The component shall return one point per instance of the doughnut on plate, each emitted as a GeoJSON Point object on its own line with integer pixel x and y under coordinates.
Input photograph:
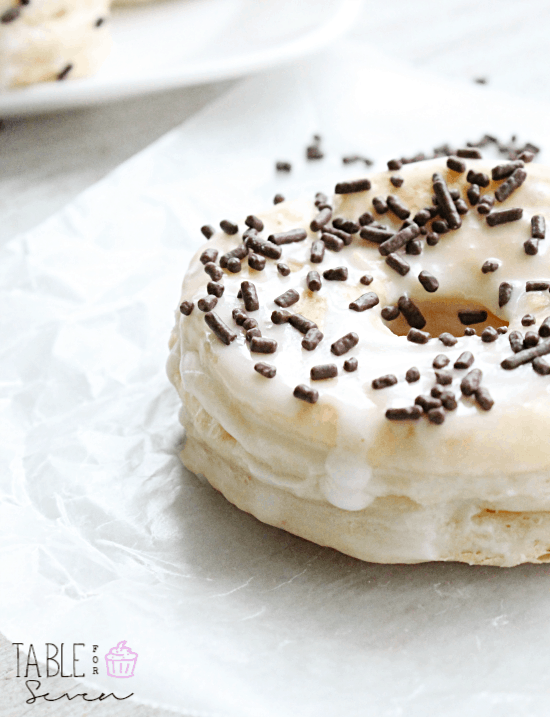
{"type": "Point", "coordinates": [468, 480]}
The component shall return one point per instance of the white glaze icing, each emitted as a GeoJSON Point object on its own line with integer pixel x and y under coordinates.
{"type": "Point", "coordinates": [343, 449]}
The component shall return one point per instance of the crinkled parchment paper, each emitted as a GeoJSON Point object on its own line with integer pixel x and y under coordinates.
{"type": "Point", "coordinates": [104, 536]}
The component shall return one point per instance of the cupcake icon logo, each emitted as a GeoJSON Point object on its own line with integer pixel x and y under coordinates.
{"type": "Point", "coordinates": [121, 661]}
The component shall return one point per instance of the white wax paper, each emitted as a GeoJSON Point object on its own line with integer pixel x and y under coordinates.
{"type": "Point", "coordinates": [104, 536]}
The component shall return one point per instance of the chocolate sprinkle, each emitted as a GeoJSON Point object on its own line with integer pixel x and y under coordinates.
{"type": "Point", "coordinates": [249, 323]}
{"type": "Point", "coordinates": [478, 178]}
{"type": "Point", "coordinates": [541, 366]}
{"type": "Point", "coordinates": [483, 397]}
{"type": "Point", "coordinates": [384, 381]}
{"type": "Point", "coordinates": [465, 360]}
{"type": "Point", "coordinates": [208, 231]}
{"type": "Point", "coordinates": [252, 332]}
{"type": "Point", "coordinates": [448, 400]}
{"type": "Point", "coordinates": [64, 72]}
{"type": "Point", "coordinates": [301, 324]}
{"type": "Point", "coordinates": [364, 302]}
{"type": "Point", "coordinates": [229, 227]}
{"type": "Point", "coordinates": [256, 262]}
{"type": "Point", "coordinates": [396, 206]}
{"type": "Point", "coordinates": [489, 335]}
{"type": "Point", "coordinates": [469, 332]}
{"type": "Point", "coordinates": [233, 265]}
{"type": "Point", "coordinates": [213, 271]}
{"type": "Point", "coordinates": [501, 171]}
{"type": "Point", "coordinates": [490, 265]}
{"type": "Point", "coordinates": [432, 239]}
{"type": "Point", "coordinates": [504, 216]}
{"type": "Point", "coordinates": [544, 329]}
{"type": "Point", "coordinates": [358, 185]}
{"type": "Point", "coordinates": [440, 226]}
{"type": "Point", "coordinates": [531, 247]}
{"type": "Point", "coordinates": [531, 339]}
{"type": "Point", "coordinates": [215, 289]}
{"type": "Point", "coordinates": [445, 202]}
{"type": "Point", "coordinates": [265, 369]}
{"type": "Point", "coordinates": [411, 312]}
{"type": "Point", "coordinates": [327, 370]}
{"type": "Point", "coordinates": [10, 15]}
{"type": "Point", "coordinates": [398, 264]}
{"type": "Point", "coordinates": [262, 345]}
{"type": "Point", "coordinates": [279, 317]}
{"type": "Point", "coordinates": [313, 281]}
{"type": "Point", "coordinates": [255, 223]}
{"type": "Point", "coordinates": [375, 234]}
{"type": "Point", "coordinates": [418, 337]}
{"type": "Point", "coordinates": [265, 248]}
{"type": "Point", "coordinates": [344, 344]}
{"type": "Point", "coordinates": [317, 251]}
{"type": "Point", "coordinates": [294, 235]}
{"type": "Point", "coordinates": [468, 153]}
{"type": "Point", "coordinates": [340, 273]}
{"type": "Point", "coordinates": [444, 378]}
{"type": "Point", "coordinates": [332, 242]}
{"type": "Point", "coordinates": [473, 194]}
{"type": "Point", "coordinates": [238, 253]}
{"type": "Point", "coordinates": [527, 355]}
{"type": "Point", "coordinates": [412, 375]}
{"type": "Point", "coordinates": [208, 255]}
{"type": "Point", "coordinates": [412, 413]}
{"type": "Point", "coordinates": [345, 225]}
{"type": "Point", "coordinates": [322, 218]}
{"type": "Point", "coordinates": [447, 339]}
{"type": "Point", "coordinates": [456, 164]}
{"type": "Point", "coordinates": [538, 226]}
{"type": "Point", "coordinates": [283, 166]}
{"type": "Point", "coordinates": [528, 320]}
{"type": "Point", "coordinates": [440, 361]}
{"type": "Point", "coordinates": [305, 393]}
{"type": "Point", "coordinates": [514, 181]}
{"type": "Point", "coordinates": [504, 295]}
{"type": "Point", "coordinates": [379, 204]}
{"type": "Point", "coordinates": [207, 303]}
{"type": "Point", "coordinates": [365, 218]}
{"type": "Point", "coordinates": [389, 313]}
{"type": "Point", "coordinates": [366, 280]}
{"type": "Point", "coordinates": [186, 307]}
{"type": "Point", "coordinates": [221, 330]}
{"type": "Point", "coordinates": [516, 341]}
{"type": "Point", "coordinates": [312, 339]}
{"type": "Point", "coordinates": [537, 285]}
{"type": "Point", "coordinates": [429, 282]}
{"type": "Point", "coordinates": [397, 180]}
{"type": "Point", "coordinates": [278, 198]}
{"type": "Point", "coordinates": [283, 269]}
{"type": "Point", "coordinates": [250, 297]}
{"type": "Point", "coordinates": [350, 365]}
{"type": "Point", "coordinates": [472, 316]}
{"type": "Point", "coordinates": [288, 298]}
{"type": "Point", "coordinates": [470, 383]}
{"type": "Point", "coordinates": [399, 239]}
{"type": "Point", "coordinates": [414, 247]}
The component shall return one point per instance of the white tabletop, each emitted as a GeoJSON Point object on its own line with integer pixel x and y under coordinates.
{"type": "Point", "coordinates": [48, 160]}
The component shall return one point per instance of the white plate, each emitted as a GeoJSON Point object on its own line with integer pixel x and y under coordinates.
{"type": "Point", "coordinates": [176, 43]}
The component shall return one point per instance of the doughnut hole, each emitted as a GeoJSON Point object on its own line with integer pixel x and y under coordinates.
{"type": "Point", "coordinates": [442, 315]}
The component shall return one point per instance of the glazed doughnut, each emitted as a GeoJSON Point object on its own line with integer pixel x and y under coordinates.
{"type": "Point", "coordinates": [52, 40]}
{"type": "Point", "coordinates": [367, 370]}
